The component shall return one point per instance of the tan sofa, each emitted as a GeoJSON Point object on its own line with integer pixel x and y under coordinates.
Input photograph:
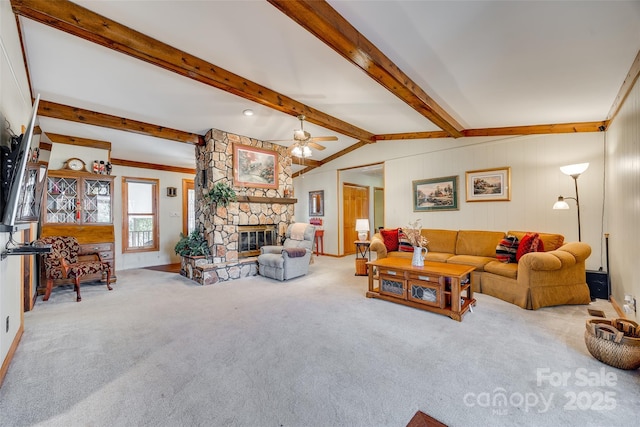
{"type": "Point", "coordinates": [540, 279]}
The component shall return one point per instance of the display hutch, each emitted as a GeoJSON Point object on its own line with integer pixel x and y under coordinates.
{"type": "Point", "coordinates": [80, 204]}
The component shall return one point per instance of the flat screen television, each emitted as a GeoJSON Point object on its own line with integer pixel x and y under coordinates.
{"type": "Point", "coordinates": [14, 166]}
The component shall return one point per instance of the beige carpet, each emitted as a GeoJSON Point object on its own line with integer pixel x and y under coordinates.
{"type": "Point", "coordinates": [160, 350]}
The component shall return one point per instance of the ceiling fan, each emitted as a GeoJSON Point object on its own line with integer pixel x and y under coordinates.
{"type": "Point", "coordinates": [303, 141]}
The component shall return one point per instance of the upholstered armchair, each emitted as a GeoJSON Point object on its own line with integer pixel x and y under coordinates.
{"type": "Point", "coordinates": [292, 258]}
{"type": "Point", "coordinates": [64, 262]}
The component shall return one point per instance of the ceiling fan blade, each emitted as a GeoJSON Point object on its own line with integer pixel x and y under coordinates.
{"type": "Point", "coordinates": [324, 138]}
{"type": "Point", "coordinates": [316, 146]}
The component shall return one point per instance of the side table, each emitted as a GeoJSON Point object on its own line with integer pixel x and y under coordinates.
{"type": "Point", "coordinates": [319, 242]}
{"type": "Point", "coordinates": [363, 255]}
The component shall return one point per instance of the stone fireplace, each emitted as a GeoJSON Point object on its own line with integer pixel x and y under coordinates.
{"type": "Point", "coordinates": [252, 237]}
{"type": "Point", "coordinates": [262, 214]}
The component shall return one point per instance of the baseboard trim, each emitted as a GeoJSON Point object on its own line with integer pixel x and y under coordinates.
{"type": "Point", "coordinates": [10, 354]}
{"type": "Point", "coordinates": [617, 308]}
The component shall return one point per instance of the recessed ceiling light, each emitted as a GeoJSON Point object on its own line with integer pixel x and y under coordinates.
{"type": "Point", "coordinates": [248, 112]}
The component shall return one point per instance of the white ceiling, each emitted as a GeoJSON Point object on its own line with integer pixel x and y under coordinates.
{"type": "Point", "coordinates": [487, 63]}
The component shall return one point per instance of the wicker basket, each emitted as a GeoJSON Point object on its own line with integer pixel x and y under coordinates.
{"type": "Point", "coordinates": [614, 342]}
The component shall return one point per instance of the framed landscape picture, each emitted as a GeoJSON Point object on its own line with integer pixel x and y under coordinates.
{"type": "Point", "coordinates": [436, 194]}
{"type": "Point", "coordinates": [254, 167]}
{"type": "Point", "coordinates": [489, 185]}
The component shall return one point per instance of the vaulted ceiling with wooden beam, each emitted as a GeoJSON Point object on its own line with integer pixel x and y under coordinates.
{"type": "Point", "coordinates": [151, 77]}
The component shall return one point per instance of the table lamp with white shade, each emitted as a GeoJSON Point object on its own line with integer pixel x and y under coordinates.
{"type": "Point", "coordinates": [362, 227]}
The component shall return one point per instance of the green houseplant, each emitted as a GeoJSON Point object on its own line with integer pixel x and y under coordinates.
{"type": "Point", "coordinates": [222, 194]}
{"type": "Point", "coordinates": [192, 244]}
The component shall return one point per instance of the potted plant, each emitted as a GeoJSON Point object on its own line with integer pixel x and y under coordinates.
{"type": "Point", "coordinates": [222, 194]}
{"type": "Point", "coordinates": [192, 245]}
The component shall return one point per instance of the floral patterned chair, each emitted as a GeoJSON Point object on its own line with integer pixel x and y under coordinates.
{"type": "Point", "coordinates": [64, 262]}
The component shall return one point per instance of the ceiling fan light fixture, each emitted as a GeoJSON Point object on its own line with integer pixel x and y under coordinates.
{"type": "Point", "coordinates": [297, 151]}
{"type": "Point", "coordinates": [306, 151]}
{"type": "Point", "coordinates": [301, 135]}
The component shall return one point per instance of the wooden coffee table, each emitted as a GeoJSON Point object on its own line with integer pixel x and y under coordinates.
{"type": "Point", "coordinates": [437, 286]}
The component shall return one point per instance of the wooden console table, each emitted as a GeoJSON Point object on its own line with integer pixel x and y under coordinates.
{"type": "Point", "coordinates": [437, 286]}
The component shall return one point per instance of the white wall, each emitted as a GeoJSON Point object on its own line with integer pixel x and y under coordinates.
{"type": "Point", "coordinates": [320, 180]}
{"type": "Point", "coordinates": [170, 216]}
{"type": "Point", "coordinates": [536, 182]}
{"type": "Point", "coordinates": [15, 106]}
{"type": "Point", "coordinates": [623, 199]}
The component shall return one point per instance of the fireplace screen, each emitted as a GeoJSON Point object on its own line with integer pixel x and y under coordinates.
{"type": "Point", "coordinates": [252, 237]}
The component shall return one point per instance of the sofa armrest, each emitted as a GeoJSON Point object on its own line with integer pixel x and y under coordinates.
{"type": "Point", "coordinates": [566, 256]}
{"type": "Point", "coordinates": [556, 277]}
{"type": "Point", "coordinates": [377, 246]}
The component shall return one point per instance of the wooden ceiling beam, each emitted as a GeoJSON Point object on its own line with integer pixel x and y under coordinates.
{"type": "Point", "coordinates": [83, 142]}
{"type": "Point", "coordinates": [306, 162]}
{"type": "Point", "coordinates": [154, 166]}
{"type": "Point", "coordinates": [626, 87]}
{"type": "Point", "coordinates": [79, 115]}
{"type": "Point", "coordinates": [320, 19]}
{"type": "Point", "coordinates": [78, 21]}
{"type": "Point", "coordinates": [540, 129]}
{"type": "Point", "coordinates": [503, 131]}
{"type": "Point", "coordinates": [411, 135]}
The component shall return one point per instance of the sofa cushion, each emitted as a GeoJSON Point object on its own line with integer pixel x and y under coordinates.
{"type": "Point", "coordinates": [501, 269]}
{"type": "Point", "coordinates": [530, 243]}
{"type": "Point", "coordinates": [550, 241]}
{"type": "Point", "coordinates": [440, 240]}
{"type": "Point", "coordinates": [478, 243]}
{"type": "Point", "coordinates": [404, 244]}
{"type": "Point", "coordinates": [507, 249]}
{"type": "Point", "coordinates": [390, 238]}
{"type": "Point", "coordinates": [437, 256]}
{"type": "Point", "coordinates": [475, 261]}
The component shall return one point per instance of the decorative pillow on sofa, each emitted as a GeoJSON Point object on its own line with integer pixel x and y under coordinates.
{"type": "Point", "coordinates": [530, 243]}
{"type": "Point", "coordinates": [404, 245]}
{"type": "Point", "coordinates": [390, 238]}
{"type": "Point", "coordinates": [507, 249]}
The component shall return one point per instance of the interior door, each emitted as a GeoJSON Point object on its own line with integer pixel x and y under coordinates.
{"type": "Point", "coordinates": [355, 202]}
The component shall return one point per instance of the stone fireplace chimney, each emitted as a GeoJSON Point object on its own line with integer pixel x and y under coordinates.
{"type": "Point", "coordinates": [255, 206]}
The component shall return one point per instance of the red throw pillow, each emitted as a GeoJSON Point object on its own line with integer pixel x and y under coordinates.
{"type": "Point", "coordinates": [531, 242]}
{"type": "Point", "coordinates": [404, 244]}
{"type": "Point", "coordinates": [390, 238]}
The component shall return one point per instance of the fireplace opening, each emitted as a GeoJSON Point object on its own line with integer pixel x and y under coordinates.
{"type": "Point", "coordinates": [252, 237]}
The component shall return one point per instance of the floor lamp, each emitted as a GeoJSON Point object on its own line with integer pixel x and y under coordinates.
{"type": "Point", "coordinates": [574, 172]}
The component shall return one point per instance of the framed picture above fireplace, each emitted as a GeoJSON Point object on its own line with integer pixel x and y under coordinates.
{"type": "Point", "coordinates": [254, 167]}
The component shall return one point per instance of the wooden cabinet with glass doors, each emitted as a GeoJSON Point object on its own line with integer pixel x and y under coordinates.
{"type": "Point", "coordinates": [80, 204]}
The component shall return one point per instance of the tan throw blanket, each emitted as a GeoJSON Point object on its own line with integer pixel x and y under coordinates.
{"type": "Point", "coordinates": [297, 230]}
{"type": "Point", "coordinates": [295, 252]}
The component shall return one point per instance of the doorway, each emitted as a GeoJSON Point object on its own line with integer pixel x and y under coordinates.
{"type": "Point", "coordinates": [355, 200]}
{"type": "Point", "coordinates": [188, 206]}
{"type": "Point", "coordinates": [378, 208]}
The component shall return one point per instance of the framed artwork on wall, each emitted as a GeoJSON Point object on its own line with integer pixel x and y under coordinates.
{"type": "Point", "coordinates": [489, 185]}
{"type": "Point", "coordinates": [316, 203]}
{"type": "Point", "coordinates": [254, 167]}
{"type": "Point", "coordinates": [435, 194]}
